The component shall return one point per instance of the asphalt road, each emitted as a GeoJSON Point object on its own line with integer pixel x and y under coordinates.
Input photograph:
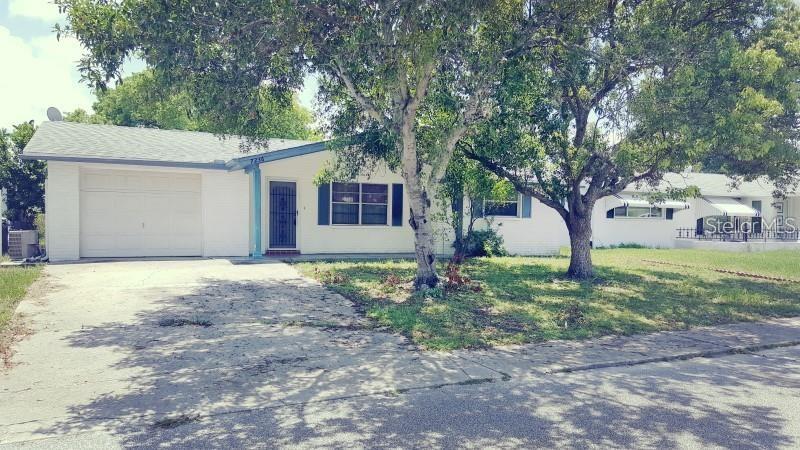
{"type": "Point", "coordinates": [736, 401]}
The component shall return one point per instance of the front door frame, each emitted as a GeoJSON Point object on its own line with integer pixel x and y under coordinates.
{"type": "Point", "coordinates": [268, 229]}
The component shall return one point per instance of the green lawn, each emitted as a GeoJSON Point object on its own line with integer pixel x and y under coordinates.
{"type": "Point", "coordinates": [526, 299]}
{"type": "Point", "coordinates": [784, 263]}
{"type": "Point", "coordinates": [14, 282]}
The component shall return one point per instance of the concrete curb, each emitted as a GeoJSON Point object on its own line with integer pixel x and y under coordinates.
{"type": "Point", "coordinates": [680, 357]}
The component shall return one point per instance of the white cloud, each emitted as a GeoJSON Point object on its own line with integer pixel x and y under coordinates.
{"type": "Point", "coordinates": [44, 10]}
{"type": "Point", "coordinates": [41, 72]}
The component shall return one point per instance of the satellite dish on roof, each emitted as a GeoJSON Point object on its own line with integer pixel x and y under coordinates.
{"type": "Point", "coordinates": [54, 114]}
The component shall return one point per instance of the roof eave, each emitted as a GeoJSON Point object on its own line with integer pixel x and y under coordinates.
{"type": "Point", "coordinates": [130, 162]}
{"type": "Point", "coordinates": [276, 155]}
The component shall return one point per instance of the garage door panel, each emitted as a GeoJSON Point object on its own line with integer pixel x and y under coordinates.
{"type": "Point", "coordinates": [101, 181]}
{"type": "Point", "coordinates": [184, 183]}
{"type": "Point", "coordinates": [185, 203]}
{"type": "Point", "coordinates": [130, 214]}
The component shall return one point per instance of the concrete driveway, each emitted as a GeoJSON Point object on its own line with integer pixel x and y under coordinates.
{"type": "Point", "coordinates": [214, 353]}
{"type": "Point", "coordinates": [136, 344]}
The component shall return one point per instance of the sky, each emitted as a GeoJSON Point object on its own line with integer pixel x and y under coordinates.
{"type": "Point", "coordinates": [39, 71]}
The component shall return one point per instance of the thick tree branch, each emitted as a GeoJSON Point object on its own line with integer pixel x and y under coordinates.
{"type": "Point", "coordinates": [365, 103]}
{"type": "Point", "coordinates": [520, 184]}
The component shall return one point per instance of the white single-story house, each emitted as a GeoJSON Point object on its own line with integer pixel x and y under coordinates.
{"type": "Point", "coordinates": [743, 217]}
{"type": "Point", "coordinates": [137, 192]}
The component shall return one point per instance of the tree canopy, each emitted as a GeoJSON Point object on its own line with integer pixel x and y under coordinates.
{"type": "Point", "coordinates": [631, 90]}
{"type": "Point", "coordinates": [143, 100]}
{"type": "Point", "coordinates": [22, 180]}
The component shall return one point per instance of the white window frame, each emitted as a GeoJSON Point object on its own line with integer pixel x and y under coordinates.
{"type": "Point", "coordinates": [663, 215]}
{"type": "Point", "coordinates": [361, 204]}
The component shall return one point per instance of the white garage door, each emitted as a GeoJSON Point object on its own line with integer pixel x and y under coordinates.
{"type": "Point", "coordinates": [133, 213]}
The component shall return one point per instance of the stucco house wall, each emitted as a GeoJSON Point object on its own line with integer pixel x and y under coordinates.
{"type": "Point", "coordinates": [62, 207]}
{"type": "Point", "coordinates": [544, 233]}
{"type": "Point", "coordinates": [314, 238]}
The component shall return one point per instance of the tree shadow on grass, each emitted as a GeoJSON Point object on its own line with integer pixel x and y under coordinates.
{"type": "Point", "coordinates": [287, 363]}
{"type": "Point", "coordinates": [529, 300]}
{"type": "Point", "coordinates": [648, 293]}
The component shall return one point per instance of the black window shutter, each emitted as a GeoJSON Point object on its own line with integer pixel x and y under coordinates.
{"type": "Point", "coordinates": [670, 212]}
{"type": "Point", "coordinates": [526, 206]}
{"type": "Point", "coordinates": [610, 213]}
{"type": "Point", "coordinates": [397, 205]}
{"type": "Point", "coordinates": [323, 204]}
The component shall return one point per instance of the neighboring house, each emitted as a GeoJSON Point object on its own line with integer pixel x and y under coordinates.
{"type": "Point", "coordinates": [743, 217]}
{"type": "Point", "coordinates": [130, 192]}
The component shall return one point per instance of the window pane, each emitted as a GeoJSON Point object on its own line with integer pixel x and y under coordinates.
{"type": "Point", "coordinates": [374, 215]}
{"type": "Point", "coordinates": [640, 211]}
{"type": "Point", "coordinates": [345, 214]}
{"type": "Point", "coordinates": [374, 193]}
{"type": "Point", "coordinates": [501, 208]}
{"type": "Point", "coordinates": [620, 211]}
{"type": "Point", "coordinates": [345, 197]}
{"type": "Point", "coordinates": [345, 192]}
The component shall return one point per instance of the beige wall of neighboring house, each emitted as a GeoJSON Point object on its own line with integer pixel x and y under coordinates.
{"type": "Point", "coordinates": [656, 232]}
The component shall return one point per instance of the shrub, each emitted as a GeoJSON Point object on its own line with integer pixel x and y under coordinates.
{"type": "Point", "coordinates": [455, 280]}
{"type": "Point", "coordinates": [571, 316]}
{"type": "Point", "coordinates": [484, 243]}
{"type": "Point", "coordinates": [38, 223]}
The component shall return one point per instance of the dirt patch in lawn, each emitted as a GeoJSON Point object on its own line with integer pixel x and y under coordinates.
{"type": "Point", "coordinates": [15, 331]}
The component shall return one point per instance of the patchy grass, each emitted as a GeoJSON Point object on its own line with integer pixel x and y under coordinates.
{"type": "Point", "coordinates": [781, 263]}
{"type": "Point", "coordinates": [14, 282]}
{"type": "Point", "coordinates": [519, 300]}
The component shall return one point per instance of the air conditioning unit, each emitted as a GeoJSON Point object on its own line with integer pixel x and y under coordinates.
{"type": "Point", "coordinates": [23, 244]}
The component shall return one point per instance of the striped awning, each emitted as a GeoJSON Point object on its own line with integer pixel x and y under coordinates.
{"type": "Point", "coordinates": [727, 207]}
{"type": "Point", "coordinates": [618, 200]}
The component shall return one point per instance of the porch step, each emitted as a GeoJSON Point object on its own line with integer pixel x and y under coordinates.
{"type": "Point", "coordinates": [282, 253]}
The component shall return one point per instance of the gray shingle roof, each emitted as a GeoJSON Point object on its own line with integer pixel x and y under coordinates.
{"type": "Point", "coordinates": [711, 184]}
{"type": "Point", "coordinates": [68, 140]}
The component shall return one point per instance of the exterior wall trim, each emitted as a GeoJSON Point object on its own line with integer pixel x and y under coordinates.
{"type": "Point", "coordinates": [260, 158]}
{"type": "Point", "coordinates": [128, 162]}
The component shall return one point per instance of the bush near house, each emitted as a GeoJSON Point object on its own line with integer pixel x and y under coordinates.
{"type": "Point", "coordinates": [509, 300]}
{"type": "Point", "coordinates": [39, 224]}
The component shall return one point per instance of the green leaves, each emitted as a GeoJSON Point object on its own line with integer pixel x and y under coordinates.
{"type": "Point", "coordinates": [22, 180]}
{"type": "Point", "coordinates": [145, 100]}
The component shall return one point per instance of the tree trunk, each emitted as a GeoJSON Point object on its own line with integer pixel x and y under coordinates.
{"type": "Point", "coordinates": [580, 237]}
{"type": "Point", "coordinates": [423, 241]}
{"type": "Point", "coordinates": [419, 204]}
